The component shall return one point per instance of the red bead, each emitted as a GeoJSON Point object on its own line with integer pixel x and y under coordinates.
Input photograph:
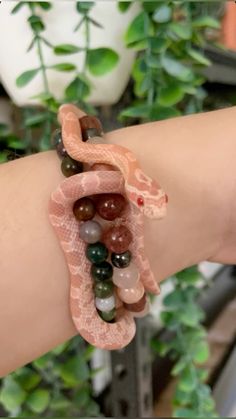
{"type": "Point", "coordinates": [90, 127]}
{"type": "Point", "coordinates": [137, 307]}
{"type": "Point", "coordinates": [109, 206]}
{"type": "Point", "coordinates": [117, 239]}
{"type": "Point", "coordinates": [84, 209]}
{"type": "Point", "coordinates": [140, 201]}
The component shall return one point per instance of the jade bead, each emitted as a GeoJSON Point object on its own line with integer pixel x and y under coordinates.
{"type": "Point", "coordinates": [103, 289]}
{"type": "Point", "coordinates": [84, 209]}
{"type": "Point", "coordinates": [101, 271]}
{"type": "Point", "coordinates": [121, 260]}
{"type": "Point", "coordinates": [96, 252]}
{"type": "Point", "coordinates": [107, 316]}
{"type": "Point", "coordinates": [70, 167]}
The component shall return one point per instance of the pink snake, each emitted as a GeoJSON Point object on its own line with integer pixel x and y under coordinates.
{"type": "Point", "coordinates": [126, 178]}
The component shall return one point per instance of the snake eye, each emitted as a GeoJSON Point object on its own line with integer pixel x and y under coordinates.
{"type": "Point", "coordinates": [140, 201]}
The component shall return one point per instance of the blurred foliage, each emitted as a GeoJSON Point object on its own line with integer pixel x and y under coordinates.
{"type": "Point", "coordinates": [57, 385]}
{"type": "Point", "coordinates": [188, 347]}
{"type": "Point", "coordinates": [169, 38]}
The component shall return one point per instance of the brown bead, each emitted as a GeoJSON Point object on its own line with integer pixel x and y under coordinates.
{"type": "Point", "coordinates": [70, 167]}
{"type": "Point", "coordinates": [137, 307]}
{"type": "Point", "coordinates": [109, 206]}
{"type": "Point", "coordinates": [84, 209]}
{"type": "Point", "coordinates": [90, 127]}
{"type": "Point", "coordinates": [57, 142]}
{"type": "Point", "coordinates": [117, 239]}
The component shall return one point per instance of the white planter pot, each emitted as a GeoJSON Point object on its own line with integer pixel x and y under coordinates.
{"type": "Point", "coordinates": [15, 37]}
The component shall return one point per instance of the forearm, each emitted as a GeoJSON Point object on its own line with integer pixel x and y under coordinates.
{"type": "Point", "coordinates": [190, 157]}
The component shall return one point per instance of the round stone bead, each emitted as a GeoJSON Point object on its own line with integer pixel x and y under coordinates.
{"type": "Point", "coordinates": [101, 271]}
{"type": "Point", "coordinates": [109, 206]}
{"type": "Point", "coordinates": [90, 231]}
{"type": "Point", "coordinates": [56, 137]}
{"type": "Point", "coordinates": [142, 313]}
{"type": "Point", "coordinates": [84, 209]}
{"type": "Point", "coordinates": [90, 127]}
{"type": "Point", "coordinates": [105, 304]}
{"type": "Point", "coordinates": [127, 277]}
{"type": "Point", "coordinates": [70, 167]}
{"type": "Point", "coordinates": [96, 252]}
{"type": "Point", "coordinates": [108, 316]}
{"type": "Point", "coordinates": [117, 239]}
{"type": "Point", "coordinates": [121, 260]}
{"type": "Point", "coordinates": [137, 307]}
{"type": "Point", "coordinates": [131, 295]}
{"type": "Point", "coordinates": [57, 142]}
{"type": "Point", "coordinates": [103, 289]}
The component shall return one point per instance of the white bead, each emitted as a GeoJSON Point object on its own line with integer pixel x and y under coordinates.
{"type": "Point", "coordinates": [126, 277]}
{"type": "Point", "coordinates": [105, 304]}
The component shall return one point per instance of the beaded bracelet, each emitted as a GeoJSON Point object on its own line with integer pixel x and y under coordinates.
{"type": "Point", "coordinates": [98, 217]}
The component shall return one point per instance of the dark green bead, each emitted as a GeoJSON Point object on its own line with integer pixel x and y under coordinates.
{"type": "Point", "coordinates": [108, 316]}
{"type": "Point", "coordinates": [121, 260]}
{"type": "Point", "coordinates": [70, 167]}
{"type": "Point", "coordinates": [96, 252]}
{"type": "Point", "coordinates": [56, 137]}
{"type": "Point", "coordinates": [101, 271]}
{"type": "Point", "coordinates": [103, 289]}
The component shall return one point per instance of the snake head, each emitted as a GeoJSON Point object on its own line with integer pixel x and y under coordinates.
{"type": "Point", "coordinates": [148, 197]}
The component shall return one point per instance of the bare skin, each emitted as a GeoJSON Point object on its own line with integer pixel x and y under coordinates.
{"type": "Point", "coordinates": [192, 157]}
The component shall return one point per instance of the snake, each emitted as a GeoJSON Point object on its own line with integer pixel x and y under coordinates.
{"type": "Point", "coordinates": [116, 170]}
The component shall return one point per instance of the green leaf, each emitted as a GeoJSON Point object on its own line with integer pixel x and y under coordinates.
{"type": "Point", "coordinates": [138, 111]}
{"type": "Point", "coordinates": [43, 361]}
{"type": "Point", "coordinates": [3, 159]}
{"type": "Point", "coordinates": [35, 120]}
{"type": "Point", "coordinates": [182, 30]}
{"type": "Point", "coordinates": [75, 371]}
{"type": "Point", "coordinates": [159, 347]}
{"type": "Point", "coordinates": [179, 366]}
{"type": "Point", "coordinates": [60, 348]}
{"type": "Point", "coordinates": [158, 44]}
{"type": "Point", "coordinates": [36, 23]}
{"type": "Point", "coordinates": [38, 401]}
{"type": "Point", "coordinates": [189, 275]}
{"type": "Point", "coordinates": [44, 96]}
{"type": "Point", "coordinates": [84, 7]}
{"type": "Point", "coordinates": [182, 412]}
{"type": "Point", "coordinates": [201, 352]}
{"type": "Point", "coordinates": [101, 60]}
{"type": "Point", "coordinates": [27, 378]}
{"type": "Point", "coordinates": [11, 395]}
{"type": "Point", "coordinates": [137, 29]}
{"type": "Point", "coordinates": [64, 49]}
{"type": "Point", "coordinates": [188, 379]}
{"type": "Point", "coordinates": [198, 57]}
{"type": "Point", "coordinates": [162, 14]}
{"type": "Point", "coordinates": [175, 299]}
{"type": "Point", "coordinates": [170, 95]}
{"type": "Point", "coordinates": [45, 5]}
{"type": "Point", "coordinates": [176, 69]}
{"type": "Point", "coordinates": [190, 315]}
{"type": "Point", "coordinates": [18, 6]}
{"type": "Point", "coordinates": [4, 130]}
{"type": "Point", "coordinates": [158, 112]}
{"type": "Point", "coordinates": [78, 89]}
{"type": "Point", "coordinates": [123, 6]}
{"type": "Point", "coordinates": [206, 22]}
{"type": "Point", "coordinates": [63, 67]}
{"type": "Point", "coordinates": [26, 77]}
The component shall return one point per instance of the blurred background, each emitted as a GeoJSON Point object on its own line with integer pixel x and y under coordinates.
{"type": "Point", "coordinates": [127, 62]}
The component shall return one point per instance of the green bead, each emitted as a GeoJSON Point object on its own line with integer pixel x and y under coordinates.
{"type": "Point", "coordinates": [101, 271]}
{"type": "Point", "coordinates": [108, 316]}
{"type": "Point", "coordinates": [70, 167]}
{"type": "Point", "coordinates": [103, 289]}
{"type": "Point", "coordinates": [96, 252]}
